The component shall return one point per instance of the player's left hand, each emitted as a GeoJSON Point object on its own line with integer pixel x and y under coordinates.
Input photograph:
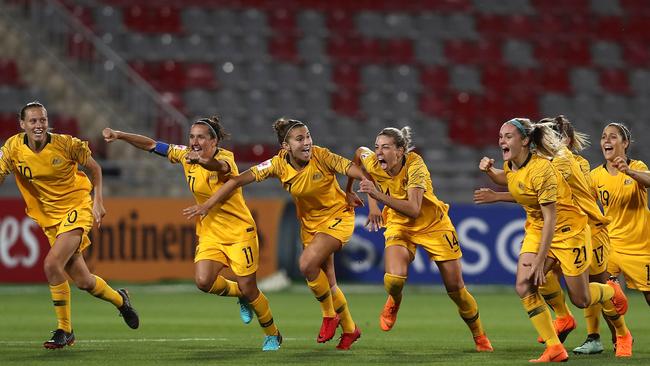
{"type": "Point", "coordinates": [194, 211]}
{"type": "Point", "coordinates": [536, 274]}
{"type": "Point", "coordinates": [98, 212]}
{"type": "Point", "coordinates": [375, 219]}
{"type": "Point", "coordinates": [194, 157]}
{"type": "Point", "coordinates": [368, 186]}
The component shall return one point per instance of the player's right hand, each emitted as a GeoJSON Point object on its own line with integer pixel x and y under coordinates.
{"type": "Point", "coordinates": [109, 134]}
{"type": "Point", "coordinates": [485, 164]}
{"type": "Point", "coordinates": [483, 195]}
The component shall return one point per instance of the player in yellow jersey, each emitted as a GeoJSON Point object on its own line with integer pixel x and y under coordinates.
{"type": "Point", "coordinates": [227, 235]}
{"type": "Point", "coordinates": [414, 216]}
{"type": "Point", "coordinates": [622, 187]}
{"type": "Point", "coordinates": [58, 198]}
{"type": "Point", "coordinates": [308, 173]}
{"type": "Point", "coordinates": [556, 229]}
{"type": "Point", "coordinates": [573, 173]}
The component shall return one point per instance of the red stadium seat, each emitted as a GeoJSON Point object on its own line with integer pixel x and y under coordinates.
{"type": "Point", "coordinates": [366, 51]}
{"type": "Point", "coordinates": [346, 76]}
{"type": "Point", "coordinates": [636, 53]}
{"type": "Point", "coordinates": [166, 19]}
{"type": "Point", "coordinates": [578, 52]}
{"type": "Point", "coordinates": [615, 81]}
{"type": "Point", "coordinates": [520, 26]}
{"type": "Point", "coordinates": [434, 79]}
{"type": "Point", "coordinates": [8, 125]}
{"type": "Point", "coordinates": [283, 48]}
{"type": "Point", "coordinates": [399, 51]}
{"type": "Point", "coordinates": [344, 49]}
{"type": "Point", "coordinates": [550, 51]}
{"type": "Point", "coordinates": [462, 130]}
{"type": "Point", "coordinates": [488, 52]}
{"type": "Point", "coordinates": [555, 79]}
{"type": "Point", "coordinates": [282, 21]}
{"type": "Point", "coordinates": [9, 73]}
{"type": "Point", "coordinates": [524, 80]}
{"type": "Point", "coordinates": [523, 105]}
{"type": "Point", "coordinates": [254, 153]}
{"type": "Point", "coordinates": [635, 7]}
{"type": "Point", "coordinates": [494, 77]}
{"type": "Point", "coordinates": [637, 27]}
{"type": "Point", "coordinates": [341, 23]}
{"type": "Point", "coordinates": [435, 105]}
{"type": "Point", "coordinates": [172, 76]}
{"type": "Point", "coordinates": [490, 25]}
{"type": "Point", "coordinates": [175, 99]}
{"type": "Point", "coordinates": [79, 48]}
{"type": "Point", "coordinates": [169, 131]}
{"type": "Point", "coordinates": [200, 75]}
{"type": "Point", "coordinates": [461, 52]}
{"type": "Point", "coordinates": [65, 125]}
{"type": "Point", "coordinates": [610, 28]}
{"type": "Point", "coordinates": [346, 103]}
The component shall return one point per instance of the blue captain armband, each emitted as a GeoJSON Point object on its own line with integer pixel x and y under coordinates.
{"type": "Point", "coordinates": [161, 149]}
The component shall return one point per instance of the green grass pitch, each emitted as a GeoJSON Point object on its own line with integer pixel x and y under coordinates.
{"type": "Point", "coordinates": [182, 326]}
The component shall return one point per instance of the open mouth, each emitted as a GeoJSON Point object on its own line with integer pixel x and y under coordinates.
{"type": "Point", "coordinates": [196, 148]}
{"type": "Point", "coordinates": [608, 148]}
{"type": "Point", "coordinates": [382, 163]}
{"type": "Point", "coordinates": [39, 132]}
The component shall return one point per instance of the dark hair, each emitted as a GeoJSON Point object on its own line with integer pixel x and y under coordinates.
{"type": "Point", "coordinates": [215, 127]}
{"type": "Point", "coordinates": [283, 125]}
{"type": "Point", "coordinates": [34, 104]}
{"type": "Point", "coordinates": [402, 138]}
{"type": "Point", "coordinates": [578, 141]}
{"type": "Point", "coordinates": [544, 141]}
{"type": "Point", "coordinates": [624, 131]}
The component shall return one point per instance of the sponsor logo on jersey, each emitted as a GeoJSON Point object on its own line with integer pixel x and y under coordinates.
{"type": "Point", "coordinates": [56, 161]}
{"type": "Point", "coordinates": [628, 181]}
{"type": "Point", "coordinates": [317, 176]}
{"type": "Point", "coordinates": [264, 165]}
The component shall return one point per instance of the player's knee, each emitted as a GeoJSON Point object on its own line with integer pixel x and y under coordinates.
{"type": "Point", "coordinates": [308, 269]}
{"type": "Point", "coordinates": [203, 283]}
{"type": "Point", "coordinates": [581, 301]}
{"type": "Point", "coordinates": [523, 289]}
{"type": "Point", "coordinates": [52, 268]}
{"type": "Point", "coordinates": [86, 284]}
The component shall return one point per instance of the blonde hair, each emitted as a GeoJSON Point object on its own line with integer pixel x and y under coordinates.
{"type": "Point", "coordinates": [578, 141]}
{"type": "Point", "coordinates": [401, 137]}
{"type": "Point", "coordinates": [544, 141]}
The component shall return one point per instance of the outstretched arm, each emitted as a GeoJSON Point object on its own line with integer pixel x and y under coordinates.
{"type": "Point", "coordinates": [139, 141]}
{"type": "Point", "coordinates": [97, 181]}
{"type": "Point", "coordinates": [219, 196]}
{"type": "Point", "coordinates": [486, 195]}
{"type": "Point", "coordinates": [409, 207]}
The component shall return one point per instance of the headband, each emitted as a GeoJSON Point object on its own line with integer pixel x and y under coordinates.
{"type": "Point", "coordinates": [205, 122]}
{"type": "Point", "coordinates": [515, 122]}
{"type": "Point", "coordinates": [297, 123]}
{"type": "Point", "coordinates": [625, 130]}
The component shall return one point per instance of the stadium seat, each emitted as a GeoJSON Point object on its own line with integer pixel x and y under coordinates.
{"type": "Point", "coordinates": [200, 75]}
{"type": "Point", "coordinates": [346, 103]}
{"type": "Point", "coordinates": [615, 81]}
{"type": "Point", "coordinates": [347, 76]}
{"type": "Point", "coordinates": [283, 48]}
{"type": "Point", "coordinates": [9, 73]}
{"type": "Point", "coordinates": [434, 79]}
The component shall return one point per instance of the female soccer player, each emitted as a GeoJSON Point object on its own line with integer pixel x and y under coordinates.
{"type": "Point", "coordinates": [308, 173]}
{"type": "Point", "coordinates": [57, 197]}
{"type": "Point", "coordinates": [228, 235]}
{"type": "Point", "coordinates": [622, 187]}
{"type": "Point", "coordinates": [414, 217]}
{"type": "Point", "coordinates": [556, 229]}
{"type": "Point", "coordinates": [575, 171]}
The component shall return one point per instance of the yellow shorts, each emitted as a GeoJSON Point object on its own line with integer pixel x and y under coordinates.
{"type": "Point", "coordinates": [243, 257]}
{"type": "Point", "coordinates": [600, 252]}
{"type": "Point", "coordinates": [574, 253]}
{"type": "Point", "coordinates": [78, 218]}
{"type": "Point", "coordinates": [635, 268]}
{"type": "Point", "coordinates": [439, 245]}
{"type": "Point", "coordinates": [340, 227]}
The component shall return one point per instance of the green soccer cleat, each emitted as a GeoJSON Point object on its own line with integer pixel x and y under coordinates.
{"type": "Point", "coordinates": [591, 346]}
{"type": "Point", "coordinates": [245, 311]}
{"type": "Point", "coordinates": [272, 342]}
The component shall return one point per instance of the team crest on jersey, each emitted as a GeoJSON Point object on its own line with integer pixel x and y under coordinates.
{"type": "Point", "coordinates": [521, 186]}
{"type": "Point", "coordinates": [627, 181]}
{"type": "Point", "coordinates": [56, 161]}
{"type": "Point", "coordinates": [317, 176]}
{"type": "Point", "coordinates": [213, 178]}
{"type": "Point", "coordinates": [264, 165]}
{"type": "Point", "coordinates": [364, 155]}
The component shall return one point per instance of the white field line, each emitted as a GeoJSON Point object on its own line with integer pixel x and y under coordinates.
{"type": "Point", "coordinates": [140, 340]}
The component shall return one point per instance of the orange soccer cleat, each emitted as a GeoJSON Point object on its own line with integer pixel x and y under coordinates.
{"type": "Point", "coordinates": [348, 338]}
{"type": "Point", "coordinates": [619, 300]}
{"type": "Point", "coordinates": [624, 345]}
{"type": "Point", "coordinates": [563, 326]}
{"type": "Point", "coordinates": [555, 353]}
{"type": "Point", "coordinates": [483, 344]}
{"type": "Point", "coordinates": [388, 315]}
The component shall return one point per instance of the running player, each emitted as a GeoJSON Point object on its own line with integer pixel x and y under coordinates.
{"type": "Point", "coordinates": [556, 229]}
{"type": "Point", "coordinates": [414, 217]}
{"type": "Point", "coordinates": [58, 198]}
{"type": "Point", "coordinates": [228, 235]}
{"type": "Point", "coordinates": [308, 173]}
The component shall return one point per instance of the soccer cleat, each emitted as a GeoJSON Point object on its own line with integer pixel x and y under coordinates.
{"type": "Point", "coordinates": [60, 339]}
{"type": "Point", "coordinates": [328, 329]}
{"type": "Point", "coordinates": [388, 315]}
{"type": "Point", "coordinates": [272, 342]}
{"type": "Point", "coordinates": [555, 353]}
{"type": "Point", "coordinates": [245, 311]}
{"type": "Point", "coordinates": [563, 326]}
{"type": "Point", "coordinates": [624, 345]}
{"type": "Point", "coordinates": [591, 346]}
{"type": "Point", "coordinates": [619, 299]}
{"type": "Point", "coordinates": [127, 311]}
{"type": "Point", "coordinates": [348, 338]}
{"type": "Point", "coordinates": [483, 344]}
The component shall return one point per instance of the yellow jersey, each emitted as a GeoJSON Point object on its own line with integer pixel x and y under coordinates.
{"type": "Point", "coordinates": [538, 182]}
{"type": "Point", "coordinates": [49, 180]}
{"type": "Point", "coordinates": [314, 188]}
{"type": "Point", "coordinates": [228, 223]}
{"type": "Point", "coordinates": [625, 203]}
{"type": "Point", "coordinates": [414, 174]}
{"type": "Point", "coordinates": [581, 191]}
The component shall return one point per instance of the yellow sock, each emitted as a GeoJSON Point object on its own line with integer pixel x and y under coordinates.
{"type": "Point", "coordinates": [618, 321]}
{"type": "Point", "coordinates": [105, 292]}
{"type": "Point", "coordinates": [61, 300]}
{"type": "Point", "coordinates": [468, 310]}
{"type": "Point", "coordinates": [321, 289]}
{"type": "Point", "coordinates": [600, 293]}
{"type": "Point", "coordinates": [552, 293]}
{"type": "Point", "coordinates": [264, 316]}
{"type": "Point", "coordinates": [341, 307]}
{"type": "Point", "coordinates": [224, 287]}
{"type": "Point", "coordinates": [394, 285]}
{"type": "Point", "coordinates": [592, 318]}
{"type": "Point", "coordinates": [540, 316]}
